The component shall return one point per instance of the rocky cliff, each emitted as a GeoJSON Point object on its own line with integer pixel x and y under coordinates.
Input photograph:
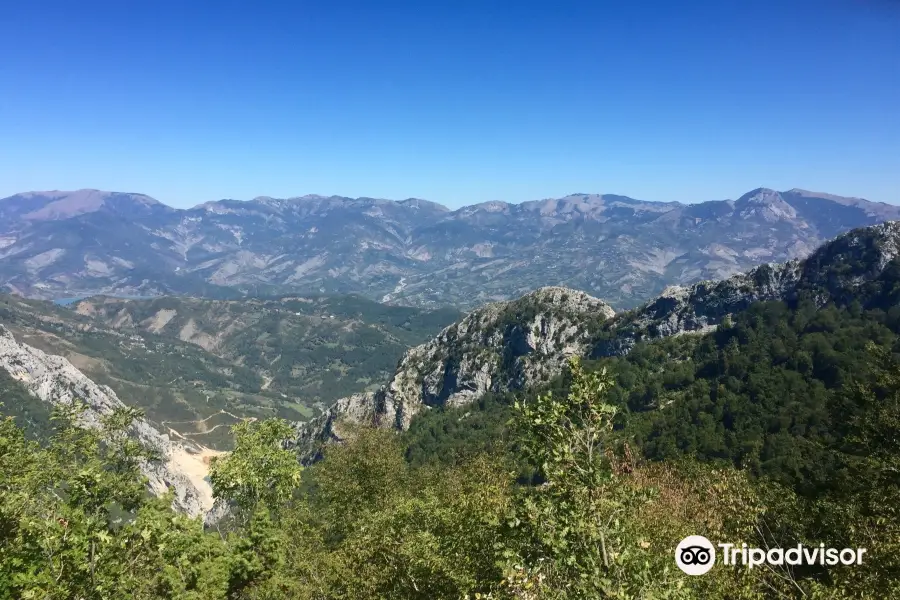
{"type": "Point", "coordinates": [849, 268]}
{"type": "Point", "coordinates": [55, 381]}
{"type": "Point", "coordinates": [501, 346]}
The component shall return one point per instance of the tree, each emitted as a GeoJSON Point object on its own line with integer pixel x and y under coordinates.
{"type": "Point", "coordinates": [259, 472]}
{"type": "Point", "coordinates": [574, 542]}
{"type": "Point", "coordinates": [865, 510]}
{"type": "Point", "coordinates": [76, 520]}
{"type": "Point", "coordinates": [603, 525]}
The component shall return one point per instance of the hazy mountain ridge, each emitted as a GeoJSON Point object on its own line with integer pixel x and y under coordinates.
{"type": "Point", "coordinates": [407, 252]}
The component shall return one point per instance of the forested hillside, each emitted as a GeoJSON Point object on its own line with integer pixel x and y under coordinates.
{"type": "Point", "coordinates": [199, 366]}
{"type": "Point", "coordinates": [365, 524]}
{"type": "Point", "coordinates": [314, 349]}
{"type": "Point", "coordinates": [773, 392]}
{"type": "Point", "coordinates": [28, 412]}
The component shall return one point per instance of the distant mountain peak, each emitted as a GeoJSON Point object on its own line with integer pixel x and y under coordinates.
{"type": "Point", "coordinates": [489, 206]}
{"type": "Point", "coordinates": [59, 205]}
{"type": "Point", "coordinates": [761, 195]}
{"type": "Point", "coordinates": [418, 203]}
{"type": "Point", "coordinates": [765, 203]}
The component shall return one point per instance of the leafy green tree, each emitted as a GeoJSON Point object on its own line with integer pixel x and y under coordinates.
{"type": "Point", "coordinates": [864, 510]}
{"type": "Point", "coordinates": [76, 520]}
{"type": "Point", "coordinates": [259, 472]}
{"type": "Point", "coordinates": [61, 504]}
{"type": "Point", "coordinates": [604, 525]}
{"type": "Point", "coordinates": [358, 479]}
{"type": "Point", "coordinates": [575, 544]}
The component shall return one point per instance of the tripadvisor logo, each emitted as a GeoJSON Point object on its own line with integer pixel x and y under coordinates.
{"type": "Point", "coordinates": [696, 555]}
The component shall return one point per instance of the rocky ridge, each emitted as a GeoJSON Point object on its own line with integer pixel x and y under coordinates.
{"type": "Point", "coordinates": [836, 271]}
{"type": "Point", "coordinates": [55, 381]}
{"type": "Point", "coordinates": [501, 346]}
{"type": "Point", "coordinates": [512, 345]}
{"type": "Point", "coordinates": [698, 308]}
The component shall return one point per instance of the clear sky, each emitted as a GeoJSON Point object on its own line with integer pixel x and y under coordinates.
{"type": "Point", "coordinates": [457, 101]}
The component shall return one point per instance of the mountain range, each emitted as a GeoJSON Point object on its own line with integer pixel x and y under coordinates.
{"type": "Point", "coordinates": [414, 252]}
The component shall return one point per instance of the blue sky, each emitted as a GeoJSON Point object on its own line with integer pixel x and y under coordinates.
{"type": "Point", "coordinates": [457, 102]}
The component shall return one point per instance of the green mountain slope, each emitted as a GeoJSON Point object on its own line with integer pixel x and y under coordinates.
{"type": "Point", "coordinates": [313, 349]}
{"type": "Point", "coordinates": [29, 413]}
{"type": "Point", "coordinates": [245, 359]}
{"type": "Point", "coordinates": [768, 381]}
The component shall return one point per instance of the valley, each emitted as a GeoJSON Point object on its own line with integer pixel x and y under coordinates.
{"type": "Point", "coordinates": [198, 366]}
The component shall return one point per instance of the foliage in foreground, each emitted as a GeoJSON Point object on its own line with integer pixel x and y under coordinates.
{"type": "Point", "coordinates": [365, 524]}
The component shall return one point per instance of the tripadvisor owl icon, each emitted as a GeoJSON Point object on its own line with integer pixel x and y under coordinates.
{"type": "Point", "coordinates": [695, 555]}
